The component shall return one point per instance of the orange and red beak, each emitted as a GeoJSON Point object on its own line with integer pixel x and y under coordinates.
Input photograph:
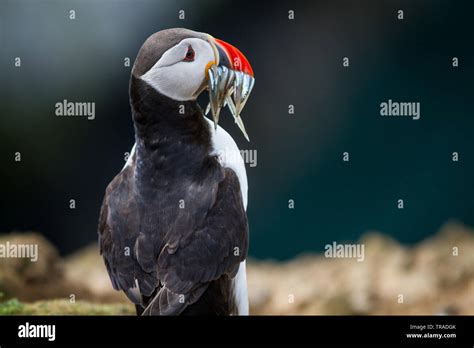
{"type": "Point", "coordinates": [230, 82]}
{"type": "Point", "coordinates": [232, 58]}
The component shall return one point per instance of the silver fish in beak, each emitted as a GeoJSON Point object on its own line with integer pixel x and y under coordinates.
{"type": "Point", "coordinates": [229, 83]}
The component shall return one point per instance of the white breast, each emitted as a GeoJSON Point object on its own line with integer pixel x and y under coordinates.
{"type": "Point", "coordinates": [130, 157]}
{"type": "Point", "coordinates": [229, 157]}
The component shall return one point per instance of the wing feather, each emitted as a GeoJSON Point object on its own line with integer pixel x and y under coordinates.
{"type": "Point", "coordinates": [173, 261]}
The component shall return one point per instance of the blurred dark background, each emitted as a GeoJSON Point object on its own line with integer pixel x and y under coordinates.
{"type": "Point", "coordinates": [296, 62]}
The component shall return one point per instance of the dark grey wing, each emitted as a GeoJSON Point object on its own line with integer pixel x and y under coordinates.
{"type": "Point", "coordinates": [118, 232]}
{"type": "Point", "coordinates": [189, 261]}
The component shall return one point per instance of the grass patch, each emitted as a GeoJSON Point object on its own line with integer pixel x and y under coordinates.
{"type": "Point", "coordinates": [64, 307]}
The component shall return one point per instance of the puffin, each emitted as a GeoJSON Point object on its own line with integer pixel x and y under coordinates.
{"type": "Point", "coordinates": [173, 229]}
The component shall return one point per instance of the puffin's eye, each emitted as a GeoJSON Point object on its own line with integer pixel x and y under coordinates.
{"type": "Point", "coordinates": [189, 55]}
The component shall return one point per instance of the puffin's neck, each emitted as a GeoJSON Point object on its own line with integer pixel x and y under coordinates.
{"type": "Point", "coordinates": [172, 137]}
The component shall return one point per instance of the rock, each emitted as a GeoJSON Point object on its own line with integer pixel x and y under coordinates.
{"type": "Point", "coordinates": [430, 278]}
{"type": "Point", "coordinates": [22, 278]}
{"type": "Point", "coordinates": [435, 276]}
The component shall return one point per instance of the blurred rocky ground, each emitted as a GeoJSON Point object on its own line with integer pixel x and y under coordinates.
{"type": "Point", "coordinates": [435, 276]}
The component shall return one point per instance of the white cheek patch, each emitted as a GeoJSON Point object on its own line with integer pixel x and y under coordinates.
{"type": "Point", "coordinates": [177, 79]}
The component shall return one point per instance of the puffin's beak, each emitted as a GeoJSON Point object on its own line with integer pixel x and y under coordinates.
{"type": "Point", "coordinates": [230, 82]}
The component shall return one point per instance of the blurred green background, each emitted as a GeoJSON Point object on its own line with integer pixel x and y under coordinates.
{"type": "Point", "coordinates": [296, 62]}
